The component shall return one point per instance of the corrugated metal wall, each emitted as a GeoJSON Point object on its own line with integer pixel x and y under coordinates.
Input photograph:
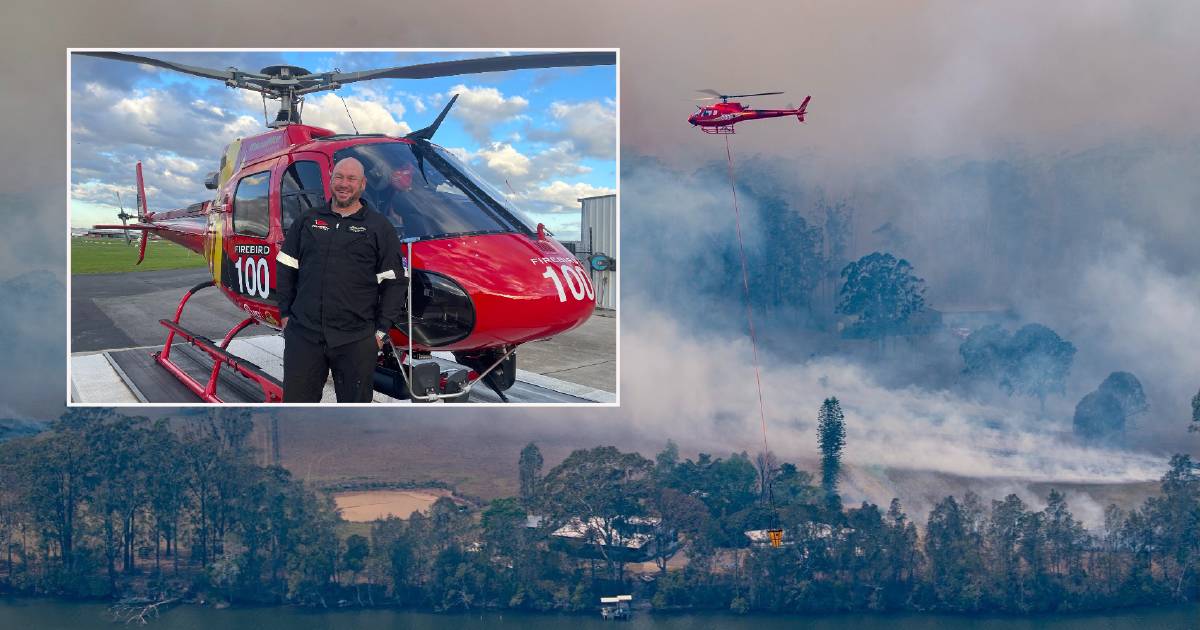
{"type": "Point", "coordinates": [598, 235]}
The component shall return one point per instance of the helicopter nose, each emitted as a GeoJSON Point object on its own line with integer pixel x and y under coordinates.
{"type": "Point", "coordinates": [507, 289]}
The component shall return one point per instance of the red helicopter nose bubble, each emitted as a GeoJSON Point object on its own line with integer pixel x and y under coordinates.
{"type": "Point", "coordinates": [520, 290]}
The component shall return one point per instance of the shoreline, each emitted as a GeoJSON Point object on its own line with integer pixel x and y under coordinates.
{"type": "Point", "coordinates": [640, 609]}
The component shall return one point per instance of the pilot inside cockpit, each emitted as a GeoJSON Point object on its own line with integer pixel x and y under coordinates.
{"type": "Point", "coordinates": [397, 195]}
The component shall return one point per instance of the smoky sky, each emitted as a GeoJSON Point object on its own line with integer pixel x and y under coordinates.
{"type": "Point", "coordinates": [1062, 138]}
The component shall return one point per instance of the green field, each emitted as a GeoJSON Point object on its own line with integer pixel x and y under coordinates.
{"type": "Point", "coordinates": [112, 255]}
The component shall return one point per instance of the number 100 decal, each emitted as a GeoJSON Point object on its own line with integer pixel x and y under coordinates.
{"type": "Point", "coordinates": [253, 277]}
{"type": "Point", "coordinates": [577, 282]}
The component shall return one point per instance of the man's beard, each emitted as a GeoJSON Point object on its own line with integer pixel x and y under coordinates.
{"type": "Point", "coordinates": [349, 202]}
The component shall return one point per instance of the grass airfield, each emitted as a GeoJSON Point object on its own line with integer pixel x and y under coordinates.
{"type": "Point", "coordinates": [111, 255]}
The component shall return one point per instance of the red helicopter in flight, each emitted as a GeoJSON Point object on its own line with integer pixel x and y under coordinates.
{"type": "Point", "coordinates": [483, 280]}
{"type": "Point", "coordinates": [719, 118]}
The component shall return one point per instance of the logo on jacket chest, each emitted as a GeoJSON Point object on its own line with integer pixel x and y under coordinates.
{"type": "Point", "coordinates": [358, 228]}
{"type": "Point", "coordinates": [320, 224]}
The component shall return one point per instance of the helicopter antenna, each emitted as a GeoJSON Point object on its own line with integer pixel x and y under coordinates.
{"type": "Point", "coordinates": [348, 114]}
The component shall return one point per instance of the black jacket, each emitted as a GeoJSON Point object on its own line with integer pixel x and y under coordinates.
{"type": "Point", "coordinates": [340, 278]}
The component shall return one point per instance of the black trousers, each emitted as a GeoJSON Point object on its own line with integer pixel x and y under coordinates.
{"type": "Point", "coordinates": [306, 366]}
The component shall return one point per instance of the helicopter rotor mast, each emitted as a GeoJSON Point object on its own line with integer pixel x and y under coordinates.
{"type": "Point", "coordinates": [288, 83]}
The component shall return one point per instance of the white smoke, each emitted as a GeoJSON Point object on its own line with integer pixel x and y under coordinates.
{"type": "Point", "coordinates": [710, 403]}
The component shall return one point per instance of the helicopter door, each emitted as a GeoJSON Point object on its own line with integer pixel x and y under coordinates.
{"type": "Point", "coordinates": [247, 270]}
{"type": "Point", "coordinates": [301, 186]}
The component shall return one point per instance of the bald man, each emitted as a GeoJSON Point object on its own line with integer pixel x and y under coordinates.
{"type": "Point", "coordinates": [339, 282]}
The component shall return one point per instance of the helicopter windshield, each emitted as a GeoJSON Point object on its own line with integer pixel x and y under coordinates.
{"type": "Point", "coordinates": [442, 199]}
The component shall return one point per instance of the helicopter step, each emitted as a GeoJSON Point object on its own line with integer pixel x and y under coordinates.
{"type": "Point", "coordinates": [149, 382]}
{"type": "Point", "coordinates": [136, 370]}
{"type": "Point", "coordinates": [205, 386]}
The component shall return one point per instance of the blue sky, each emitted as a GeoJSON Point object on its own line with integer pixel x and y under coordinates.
{"type": "Point", "coordinates": [551, 134]}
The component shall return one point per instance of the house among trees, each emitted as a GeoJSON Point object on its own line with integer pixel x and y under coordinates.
{"type": "Point", "coordinates": [762, 538]}
{"type": "Point", "coordinates": [808, 533]}
{"type": "Point", "coordinates": [624, 539]}
{"type": "Point", "coordinates": [618, 607]}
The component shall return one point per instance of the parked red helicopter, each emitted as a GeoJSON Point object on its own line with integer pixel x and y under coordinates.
{"type": "Point", "coordinates": [484, 280]}
{"type": "Point", "coordinates": [719, 118]}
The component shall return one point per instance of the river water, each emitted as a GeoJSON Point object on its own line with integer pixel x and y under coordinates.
{"type": "Point", "coordinates": [44, 614]}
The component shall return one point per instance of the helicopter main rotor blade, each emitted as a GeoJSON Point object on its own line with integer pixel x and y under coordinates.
{"type": "Point", "coordinates": [717, 94]}
{"type": "Point", "coordinates": [472, 66]}
{"type": "Point", "coordinates": [208, 73]}
{"type": "Point", "coordinates": [758, 94]}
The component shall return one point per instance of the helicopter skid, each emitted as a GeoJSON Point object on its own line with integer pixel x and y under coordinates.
{"type": "Point", "coordinates": [721, 130]}
{"type": "Point", "coordinates": [272, 389]}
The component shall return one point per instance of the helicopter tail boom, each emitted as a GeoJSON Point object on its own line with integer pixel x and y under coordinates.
{"type": "Point", "coordinates": [145, 229]}
{"type": "Point", "coordinates": [186, 227]}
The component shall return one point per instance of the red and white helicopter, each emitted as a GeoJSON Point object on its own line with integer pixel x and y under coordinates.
{"type": "Point", "coordinates": [719, 118]}
{"type": "Point", "coordinates": [484, 279]}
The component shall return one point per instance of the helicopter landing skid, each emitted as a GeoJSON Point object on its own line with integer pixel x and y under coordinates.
{"type": "Point", "coordinates": [272, 389]}
{"type": "Point", "coordinates": [723, 129]}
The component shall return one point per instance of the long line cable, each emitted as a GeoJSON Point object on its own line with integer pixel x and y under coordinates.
{"type": "Point", "coordinates": [737, 215]}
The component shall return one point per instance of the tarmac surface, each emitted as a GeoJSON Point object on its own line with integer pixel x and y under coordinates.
{"type": "Point", "coordinates": [115, 312]}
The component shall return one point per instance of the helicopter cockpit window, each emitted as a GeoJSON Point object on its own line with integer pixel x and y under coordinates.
{"type": "Point", "coordinates": [442, 199]}
{"type": "Point", "coordinates": [300, 190]}
{"type": "Point", "coordinates": [251, 215]}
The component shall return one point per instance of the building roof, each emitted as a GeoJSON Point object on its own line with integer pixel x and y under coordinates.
{"type": "Point", "coordinates": [597, 196]}
{"type": "Point", "coordinates": [576, 529]}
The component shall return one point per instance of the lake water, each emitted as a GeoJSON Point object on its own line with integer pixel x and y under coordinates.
{"type": "Point", "coordinates": [53, 615]}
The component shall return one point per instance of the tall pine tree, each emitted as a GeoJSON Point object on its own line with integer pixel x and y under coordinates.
{"type": "Point", "coordinates": [831, 436]}
{"type": "Point", "coordinates": [529, 467]}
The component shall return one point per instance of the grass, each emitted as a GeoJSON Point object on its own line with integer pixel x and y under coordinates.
{"type": "Point", "coordinates": [112, 255]}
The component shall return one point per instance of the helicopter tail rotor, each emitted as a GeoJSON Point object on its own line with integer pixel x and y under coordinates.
{"type": "Point", "coordinates": [141, 213]}
{"type": "Point", "coordinates": [803, 109]}
{"type": "Point", "coordinates": [124, 216]}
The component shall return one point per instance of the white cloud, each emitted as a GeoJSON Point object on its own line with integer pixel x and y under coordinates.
{"type": "Point", "coordinates": [240, 127]}
{"type": "Point", "coordinates": [481, 108]}
{"type": "Point", "coordinates": [462, 154]}
{"type": "Point", "coordinates": [102, 193]}
{"type": "Point", "coordinates": [591, 126]}
{"type": "Point", "coordinates": [560, 161]}
{"type": "Point", "coordinates": [566, 196]}
{"type": "Point", "coordinates": [371, 115]}
{"type": "Point", "coordinates": [176, 164]}
{"type": "Point", "coordinates": [143, 110]}
{"type": "Point", "coordinates": [202, 104]}
{"type": "Point", "coordinates": [506, 160]}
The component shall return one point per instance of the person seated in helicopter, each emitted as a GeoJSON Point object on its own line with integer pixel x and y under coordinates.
{"type": "Point", "coordinates": [399, 198]}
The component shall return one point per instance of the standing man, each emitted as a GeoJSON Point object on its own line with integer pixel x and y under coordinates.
{"type": "Point", "coordinates": [339, 292]}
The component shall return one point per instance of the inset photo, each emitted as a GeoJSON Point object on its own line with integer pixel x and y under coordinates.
{"type": "Point", "coordinates": [340, 227]}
